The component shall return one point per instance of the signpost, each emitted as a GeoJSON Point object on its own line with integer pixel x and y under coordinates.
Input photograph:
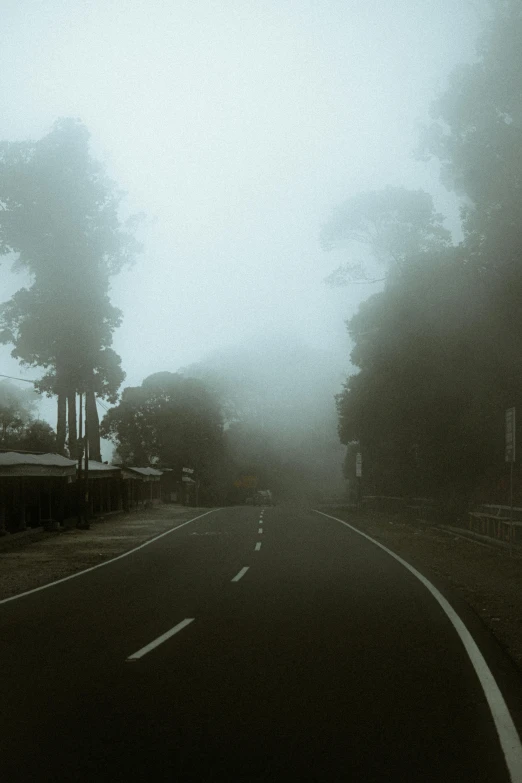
{"type": "Point", "coordinates": [187, 473]}
{"type": "Point", "coordinates": [358, 476]}
{"type": "Point", "coordinates": [510, 457]}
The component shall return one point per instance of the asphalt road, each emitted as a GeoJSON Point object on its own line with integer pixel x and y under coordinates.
{"type": "Point", "coordinates": [326, 660]}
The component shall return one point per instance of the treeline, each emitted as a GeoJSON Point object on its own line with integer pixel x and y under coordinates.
{"type": "Point", "coordinates": [438, 351]}
{"type": "Point", "coordinates": [264, 411]}
{"type": "Point", "coordinates": [258, 411]}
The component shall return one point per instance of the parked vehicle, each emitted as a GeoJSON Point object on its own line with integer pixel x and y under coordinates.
{"type": "Point", "coordinates": [263, 497]}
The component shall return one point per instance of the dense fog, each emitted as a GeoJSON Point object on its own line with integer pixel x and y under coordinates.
{"type": "Point", "coordinates": [281, 202]}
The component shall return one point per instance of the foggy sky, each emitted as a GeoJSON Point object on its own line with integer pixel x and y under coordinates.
{"type": "Point", "coordinates": [236, 126]}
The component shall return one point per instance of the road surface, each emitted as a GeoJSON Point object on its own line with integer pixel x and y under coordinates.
{"type": "Point", "coordinates": [251, 646]}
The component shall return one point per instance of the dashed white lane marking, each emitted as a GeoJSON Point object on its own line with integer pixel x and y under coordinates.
{"type": "Point", "coordinates": [507, 733]}
{"type": "Point", "coordinates": [258, 546]}
{"type": "Point", "coordinates": [163, 638]}
{"type": "Point", "coordinates": [260, 530]}
{"type": "Point", "coordinates": [106, 562]}
{"type": "Point", "coordinates": [240, 574]}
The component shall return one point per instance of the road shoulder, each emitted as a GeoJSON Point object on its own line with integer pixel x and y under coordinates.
{"type": "Point", "coordinates": [36, 558]}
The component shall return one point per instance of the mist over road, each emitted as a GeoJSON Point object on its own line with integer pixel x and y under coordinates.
{"type": "Point", "coordinates": [248, 645]}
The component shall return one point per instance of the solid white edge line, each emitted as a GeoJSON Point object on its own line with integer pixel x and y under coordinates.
{"type": "Point", "coordinates": [258, 546]}
{"type": "Point", "coordinates": [240, 574]}
{"type": "Point", "coordinates": [106, 562]}
{"type": "Point", "coordinates": [506, 730]}
{"type": "Point", "coordinates": [163, 638]}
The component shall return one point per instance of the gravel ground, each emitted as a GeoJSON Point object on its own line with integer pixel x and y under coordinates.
{"type": "Point", "coordinates": [487, 578]}
{"type": "Point", "coordinates": [33, 558]}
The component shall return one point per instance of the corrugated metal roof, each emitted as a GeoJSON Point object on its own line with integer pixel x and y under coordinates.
{"type": "Point", "coordinates": [154, 472]}
{"type": "Point", "coordinates": [10, 458]}
{"type": "Point", "coordinates": [13, 465]}
{"type": "Point", "coordinates": [100, 467]}
{"type": "Point", "coordinates": [128, 473]}
{"type": "Point", "coordinates": [147, 471]}
{"type": "Point", "coordinates": [99, 470]}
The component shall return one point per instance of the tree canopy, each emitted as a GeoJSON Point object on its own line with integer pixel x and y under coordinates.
{"type": "Point", "coordinates": [19, 429]}
{"type": "Point", "coordinates": [169, 421]}
{"type": "Point", "coordinates": [59, 213]}
{"type": "Point", "coordinates": [394, 224]}
{"type": "Point", "coordinates": [438, 352]}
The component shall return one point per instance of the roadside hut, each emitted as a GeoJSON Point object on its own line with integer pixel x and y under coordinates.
{"type": "Point", "coordinates": [105, 488]}
{"type": "Point", "coordinates": [132, 488]}
{"type": "Point", "coordinates": [151, 486]}
{"type": "Point", "coordinates": [169, 486]}
{"type": "Point", "coordinates": [35, 490]}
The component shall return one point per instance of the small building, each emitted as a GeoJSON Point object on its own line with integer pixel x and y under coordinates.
{"type": "Point", "coordinates": [133, 488]}
{"type": "Point", "coordinates": [105, 488]}
{"type": "Point", "coordinates": [35, 490]}
{"type": "Point", "coordinates": [169, 486]}
{"type": "Point", "coordinates": [151, 483]}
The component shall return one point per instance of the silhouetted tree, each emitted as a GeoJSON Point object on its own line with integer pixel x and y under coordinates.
{"type": "Point", "coordinates": [438, 351]}
{"type": "Point", "coordinates": [169, 420]}
{"type": "Point", "coordinates": [393, 224]}
{"type": "Point", "coordinates": [59, 213]}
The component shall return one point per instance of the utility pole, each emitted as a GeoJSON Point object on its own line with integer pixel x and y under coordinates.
{"type": "Point", "coordinates": [79, 492]}
{"type": "Point", "coordinates": [510, 434]}
{"type": "Point", "coordinates": [86, 490]}
{"type": "Point", "coordinates": [83, 475]}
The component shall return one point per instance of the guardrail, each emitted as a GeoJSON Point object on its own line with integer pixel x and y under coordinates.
{"type": "Point", "coordinates": [495, 521]}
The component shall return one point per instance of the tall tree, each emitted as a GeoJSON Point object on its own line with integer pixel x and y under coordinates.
{"type": "Point", "coordinates": [476, 135]}
{"type": "Point", "coordinates": [438, 353]}
{"type": "Point", "coordinates": [60, 216]}
{"type": "Point", "coordinates": [393, 225]}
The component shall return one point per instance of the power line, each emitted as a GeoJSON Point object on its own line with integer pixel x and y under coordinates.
{"type": "Point", "coordinates": [13, 378]}
{"type": "Point", "coordinates": [26, 380]}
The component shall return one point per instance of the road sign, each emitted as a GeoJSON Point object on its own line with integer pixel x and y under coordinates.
{"type": "Point", "coordinates": [510, 434]}
{"type": "Point", "coordinates": [249, 482]}
{"type": "Point", "coordinates": [358, 464]}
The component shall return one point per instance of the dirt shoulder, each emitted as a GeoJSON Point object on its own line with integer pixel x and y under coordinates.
{"type": "Point", "coordinates": [34, 558]}
{"type": "Point", "coordinates": [486, 577]}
